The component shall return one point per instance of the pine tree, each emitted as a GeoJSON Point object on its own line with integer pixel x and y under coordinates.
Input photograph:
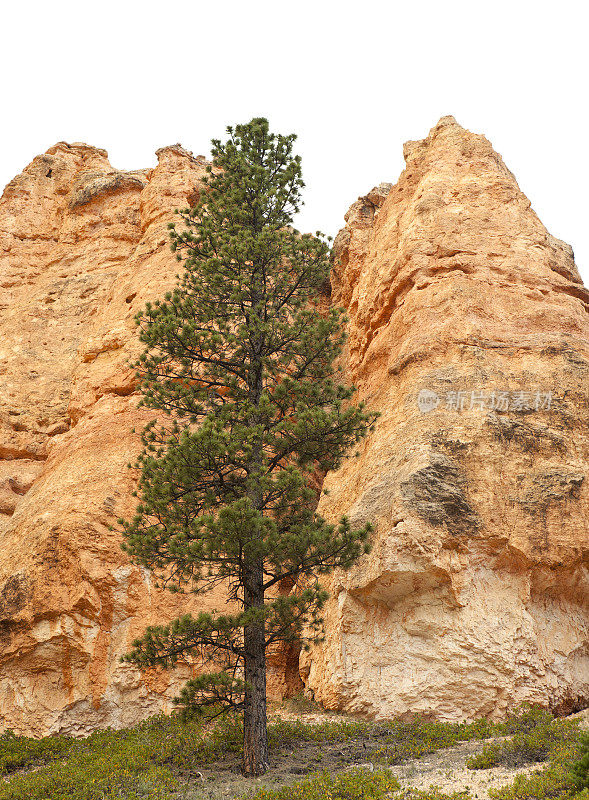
{"type": "Point", "coordinates": [239, 360]}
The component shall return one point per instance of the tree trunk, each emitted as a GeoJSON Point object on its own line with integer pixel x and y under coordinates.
{"type": "Point", "coordinates": [255, 732]}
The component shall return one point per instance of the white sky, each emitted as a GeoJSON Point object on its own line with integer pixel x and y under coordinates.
{"type": "Point", "coordinates": [354, 80]}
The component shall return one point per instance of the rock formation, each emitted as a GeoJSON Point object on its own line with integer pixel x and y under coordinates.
{"type": "Point", "coordinates": [475, 594]}
{"type": "Point", "coordinates": [82, 247]}
{"type": "Point", "coordinates": [469, 332]}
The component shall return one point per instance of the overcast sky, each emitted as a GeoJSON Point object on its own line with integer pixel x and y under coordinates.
{"type": "Point", "coordinates": [354, 80]}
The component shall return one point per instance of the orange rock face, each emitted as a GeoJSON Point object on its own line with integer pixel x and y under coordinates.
{"type": "Point", "coordinates": [475, 594]}
{"type": "Point", "coordinates": [82, 247]}
{"type": "Point", "coordinates": [469, 332]}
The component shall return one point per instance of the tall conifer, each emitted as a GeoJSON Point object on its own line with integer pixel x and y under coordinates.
{"type": "Point", "coordinates": [240, 359]}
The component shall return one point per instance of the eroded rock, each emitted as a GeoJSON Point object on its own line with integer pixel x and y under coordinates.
{"type": "Point", "coordinates": [475, 595]}
{"type": "Point", "coordinates": [82, 247]}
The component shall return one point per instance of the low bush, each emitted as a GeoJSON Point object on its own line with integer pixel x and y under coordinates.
{"type": "Point", "coordinates": [554, 781]}
{"type": "Point", "coordinates": [287, 733]}
{"type": "Point", "coordinates": [19, 752]}
{"type": "Point", "coordinates": [403, 740]}
{"type": "Point", "coordinates": [357, 784]}
{"type": "Point", "coordinates": [110, 767]}
{"type": "Point", "coordinates": [581, 767]}
{"type": "Point", "coordinates": [537, 737]}
{"type": "Point", "coordinates": [525, 718]}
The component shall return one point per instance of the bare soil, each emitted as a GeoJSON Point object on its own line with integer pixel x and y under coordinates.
{"type": "Point", "coordinates": [447, 770]}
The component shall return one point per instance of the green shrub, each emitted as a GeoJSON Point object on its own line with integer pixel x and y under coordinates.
{"type": "Point", "coordinates": [287, 733]}
{"type": "Point", "coordinates": [357, 784]}
{"type": "Point", "coordinates": [581, 767]}
{"type": "Point", "coordinates": [537, 736]}
{"type": "Point", "coordinates": [434, 793]}
{"type": "Point", "coordinates": [490, 756]}
{"type": "Point", "coordinates": [554, 781]}
{"type": "Point", "coordinates": [115, 771]}
{"type": "Point", "coordinates": [138, 763]}
{"type": "Point", "coordinates": [158, 758]}
{"type": "Point", "coordinates": [414, 739]}
{"type": "Point", "coordinates": [19, 752]}
{"type": "Point", "coordinates": [187, 746]}
{"type": "Point", "coordinates": [526, 717]}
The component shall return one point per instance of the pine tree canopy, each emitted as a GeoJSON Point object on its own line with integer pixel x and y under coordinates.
{"type": "Point", "coordinates": [238, 363]}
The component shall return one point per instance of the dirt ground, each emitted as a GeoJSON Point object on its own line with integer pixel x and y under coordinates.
{"type": "Point", "coordinates": [447, 769]}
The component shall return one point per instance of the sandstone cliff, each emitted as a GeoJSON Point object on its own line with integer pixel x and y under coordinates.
{"type": "Point", "coordinates": [469, 332]}
{"type": "Point", "coordinates": [82, 247]}
{"type": "Point", "coordinates": [475, 594]}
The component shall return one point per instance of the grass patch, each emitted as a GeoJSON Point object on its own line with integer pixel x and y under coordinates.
{"type": "Point", "coordinates": [108, 764]}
